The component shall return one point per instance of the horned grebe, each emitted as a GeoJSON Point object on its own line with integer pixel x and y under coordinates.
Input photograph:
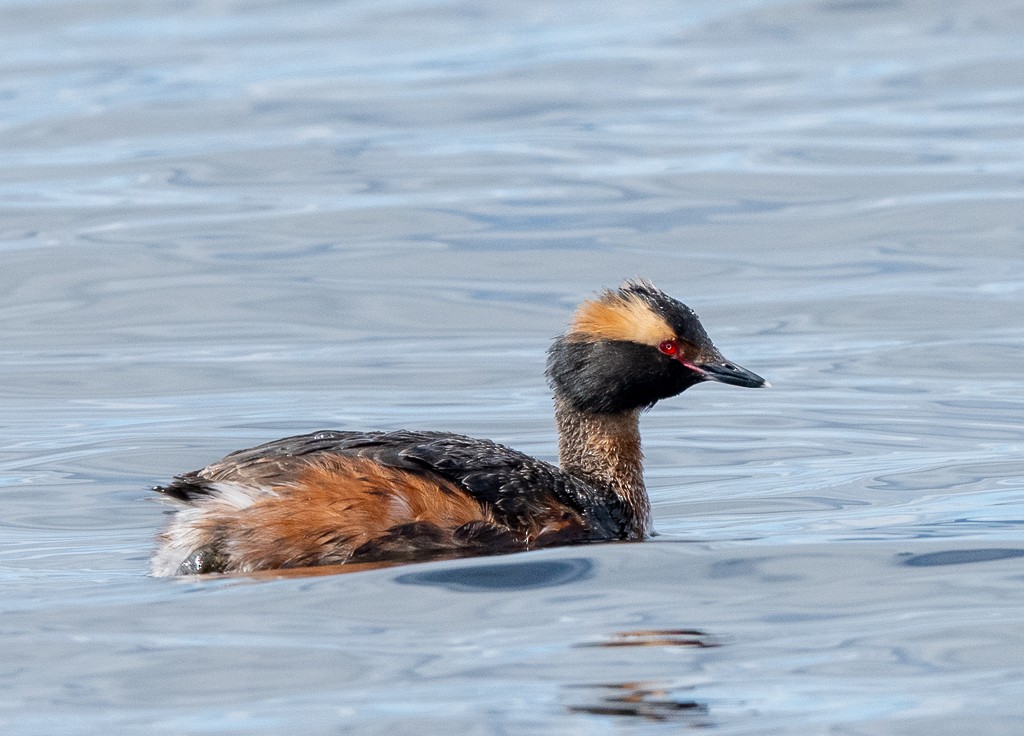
{"type": "Point", "coordinates": [330, 498]}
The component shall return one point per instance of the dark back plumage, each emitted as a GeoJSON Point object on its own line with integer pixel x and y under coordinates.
{"type": "Point", "coordinates": [513, 485]}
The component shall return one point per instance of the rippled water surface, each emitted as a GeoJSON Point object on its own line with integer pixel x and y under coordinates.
{"type": "Point", "coordinates": [227, 222]}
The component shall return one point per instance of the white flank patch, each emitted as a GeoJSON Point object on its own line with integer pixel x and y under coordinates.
{"type": "Point", "coordinates": [185, 534]}
{"type": "Point", "coordinates": [236, 495]}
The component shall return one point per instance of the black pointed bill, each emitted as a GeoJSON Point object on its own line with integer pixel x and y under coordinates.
{"type": "Point", "coordinates": [725, 372]}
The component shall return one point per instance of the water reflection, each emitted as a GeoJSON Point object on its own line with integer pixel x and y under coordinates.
{"type": "Point", "coordinates": [646, 700]}
{"type": "Point", "coordinates": [960, 556]}
{"type": "Point", "coordinates": [504, 576]}
{"type": "Point", "coordinates": [658, 638]}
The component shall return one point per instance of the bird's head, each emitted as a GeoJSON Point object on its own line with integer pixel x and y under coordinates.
{"type": "Point", "coordinates": [630, 347]}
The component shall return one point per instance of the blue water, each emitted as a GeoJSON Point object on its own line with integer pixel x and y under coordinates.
{"type": "Point", "coordinates": [224, 223]}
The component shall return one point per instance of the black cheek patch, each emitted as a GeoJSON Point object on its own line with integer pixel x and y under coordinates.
{"type": "Point", "coordinates": [610, 377]}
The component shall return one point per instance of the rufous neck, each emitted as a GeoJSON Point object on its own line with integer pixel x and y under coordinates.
{"type": "Point", "coordinates": [604, 450]}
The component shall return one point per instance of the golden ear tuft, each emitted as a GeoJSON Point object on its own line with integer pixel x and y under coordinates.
{"type": "Point", "coordinates": [620, 315]}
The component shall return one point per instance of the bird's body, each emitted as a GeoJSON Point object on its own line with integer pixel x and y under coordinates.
{"type": "Point", "coordinates": [350, 497]}
{"type": "Point", "coordinates": [345, 497]}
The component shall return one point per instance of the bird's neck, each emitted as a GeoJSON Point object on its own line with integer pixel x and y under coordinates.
{"type": "Point", "coordinates": [604, 450]}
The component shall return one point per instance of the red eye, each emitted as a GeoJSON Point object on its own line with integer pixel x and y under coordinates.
{"type": "Point", "coordinates": [669, 347]}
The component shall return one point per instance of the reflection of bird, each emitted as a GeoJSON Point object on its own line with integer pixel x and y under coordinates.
{"type": "Point", "coordinates": [346, 497]}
